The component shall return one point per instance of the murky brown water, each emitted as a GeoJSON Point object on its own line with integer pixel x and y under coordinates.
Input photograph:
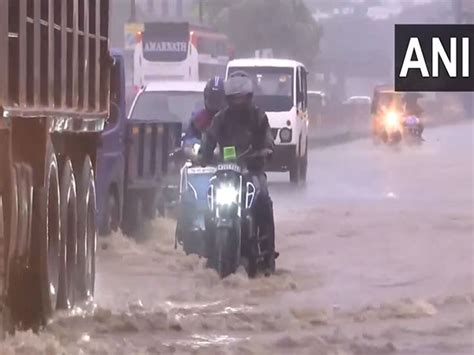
{"type": "Point", "coordinates": [376, 258]}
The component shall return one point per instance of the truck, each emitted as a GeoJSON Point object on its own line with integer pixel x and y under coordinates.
{"type": "Point", "coordinates": [170, 102]}
{"type": "Point", "coordinates": [132, 160]}
{"type": "Point", "coordinates": [54, 105]}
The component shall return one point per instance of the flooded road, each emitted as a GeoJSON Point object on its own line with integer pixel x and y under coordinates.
{"type": "Point", "coordinates": [376, 258]}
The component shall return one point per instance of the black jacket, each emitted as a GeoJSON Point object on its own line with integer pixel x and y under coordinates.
{"type": "Point", "coordinates": [239, 130]}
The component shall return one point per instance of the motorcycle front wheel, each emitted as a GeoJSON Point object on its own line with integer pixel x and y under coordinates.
{"type": "Point", "coordinates": [228, 251]}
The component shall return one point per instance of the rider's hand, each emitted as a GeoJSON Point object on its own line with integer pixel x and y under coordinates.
{"type": "Point", "coordinates": [267, 153]}
{"type": "Point", "coordinates": [262, 153]}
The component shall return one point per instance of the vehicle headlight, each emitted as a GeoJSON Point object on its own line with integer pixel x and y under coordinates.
{"type": "Point", "coordinates": [285, 135]}
{"type": "Point", "coordinates": [226, 195]}
{"type": "Point", "coordinates": [391, 119]}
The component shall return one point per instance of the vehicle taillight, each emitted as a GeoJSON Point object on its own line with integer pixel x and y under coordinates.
{"type": "Point", "coordinates": [193, 38]}
{"type": "Point", "coordinates": [138, 37]}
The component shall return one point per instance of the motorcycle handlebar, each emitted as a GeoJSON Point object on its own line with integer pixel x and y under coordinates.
{"type": "Point", "coordinates": [252, 153]}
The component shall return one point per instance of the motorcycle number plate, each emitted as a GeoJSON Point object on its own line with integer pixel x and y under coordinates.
{"type": "Point", "coordinates": [200, 170]}
{"type": "Point", "coordinates": [232, 167]}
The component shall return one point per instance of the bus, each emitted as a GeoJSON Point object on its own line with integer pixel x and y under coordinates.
{"type": "Point", "coordinates": [171, 51]}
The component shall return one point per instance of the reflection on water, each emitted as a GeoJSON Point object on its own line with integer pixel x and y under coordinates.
{"type": "Point", "coordinates": [206, 340]}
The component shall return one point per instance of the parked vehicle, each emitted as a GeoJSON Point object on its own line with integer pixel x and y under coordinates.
{"type": "Point", "coordinates": [132, 162]}
{"type": "Point", "coordinates": [170, 102]}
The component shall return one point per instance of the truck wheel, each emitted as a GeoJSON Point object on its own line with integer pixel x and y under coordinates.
{"type": "Point", "coordinates": [112, 215]}
{"type": "Point", "coordinates": [46, 238]}
{"type": "Point", "coordinates": [5, 320]}
{"type": "Point", "coordinates": [20, 279]}
{"type": "Point", "coordinates": [86, 232]}
{"type": "Point", "coordinates": [2, 248]}
{"type": "Point", "coordinates": [68, 213]}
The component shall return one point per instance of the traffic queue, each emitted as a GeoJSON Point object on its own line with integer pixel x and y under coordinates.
{"type": "Point", "coordinates": [224, 135]}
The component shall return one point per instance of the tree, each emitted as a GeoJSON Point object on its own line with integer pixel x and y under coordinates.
{"type": "Point", "coordinates": [334, 7]}
{"type": "Point", "coordinates": [285, 26]}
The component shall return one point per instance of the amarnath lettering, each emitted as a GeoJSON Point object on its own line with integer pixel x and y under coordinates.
{"type": "Point", "coordinates": [165, 47]}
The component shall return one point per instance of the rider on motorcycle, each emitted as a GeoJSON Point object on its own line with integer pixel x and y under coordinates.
{"type": "Point", "coordinates": [214, 101]}
{"type": "Point", "coordinates": [413, 108]}
{"type": "Point", "coordinates": [243, 125]}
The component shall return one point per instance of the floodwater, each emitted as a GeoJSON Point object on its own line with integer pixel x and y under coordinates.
{"type": "Point", "coordinates": [377, 257]}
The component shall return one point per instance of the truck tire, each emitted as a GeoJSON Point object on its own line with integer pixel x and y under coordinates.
{"type": "Point", "coordinates": [3, 258]}
{"type": "Point", "coordinates": [111, 214]}
{"type": "Point", "coordinates": [5, 320]}
{"type": "Point", "coordinates": [46, 238]}
{"type": "Point", "coordinates": [20, 278]}
{"type": "Point", "coordinates": [86, 232]}
{"type": "Point", "coordinates": [10, 224]}
{"type": "Point", "coordinates": [68, 213]}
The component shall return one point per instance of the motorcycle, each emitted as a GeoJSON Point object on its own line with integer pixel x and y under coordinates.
{"type": "Point", "coordinates": [233, 222]}
{"type": "Point", "coordinates": [395, 126]}
{"type": "Point", "coordinates": [192, 203]}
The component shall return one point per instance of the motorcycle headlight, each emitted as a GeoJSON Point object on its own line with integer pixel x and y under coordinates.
{"type": "Point", "coordinates": [196, 148]}
{"type": "Point", "coordinates": [391, 119]}
{"type": "Point", "coordinates": [285, 135]}
{"type": "Point", "coordinates": [226, 195]}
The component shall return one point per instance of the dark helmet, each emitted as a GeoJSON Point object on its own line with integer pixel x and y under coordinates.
{"type": "Point", "coordinates": [239, 90]}
{"type": "Point", "coordinates": [214, 96]}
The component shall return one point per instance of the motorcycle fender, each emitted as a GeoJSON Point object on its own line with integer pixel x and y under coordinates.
{"type": "Point", "coordinates": [224, 223]}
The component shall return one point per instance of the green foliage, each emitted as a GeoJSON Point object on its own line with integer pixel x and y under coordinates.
{"type": "Point", "coordinates": [332, 6]}
{"type": "Point", "coordinates": [286, 26]}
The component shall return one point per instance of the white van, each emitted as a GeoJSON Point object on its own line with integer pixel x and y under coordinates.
{"type": "Point", "coordinates": [280, 89]}
{"type": "Point", "coordinates": [169, 101]}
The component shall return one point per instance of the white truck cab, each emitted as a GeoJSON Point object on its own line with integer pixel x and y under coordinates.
{"type": "Point", "coordinates": [280, 89]}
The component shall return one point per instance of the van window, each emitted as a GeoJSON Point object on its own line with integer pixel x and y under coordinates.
{"type": "Point", "coordinates": [273, 87]}
{"type": "Point", "coordinates": [304, 78]}
{"type": "Point", "coordinates": [301, 88]}
{"type": "Point", "coordinates": [167, 106]}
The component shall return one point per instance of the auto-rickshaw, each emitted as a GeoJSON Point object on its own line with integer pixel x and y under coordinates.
{"type": "Point", "coordinates": [390, 117]}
